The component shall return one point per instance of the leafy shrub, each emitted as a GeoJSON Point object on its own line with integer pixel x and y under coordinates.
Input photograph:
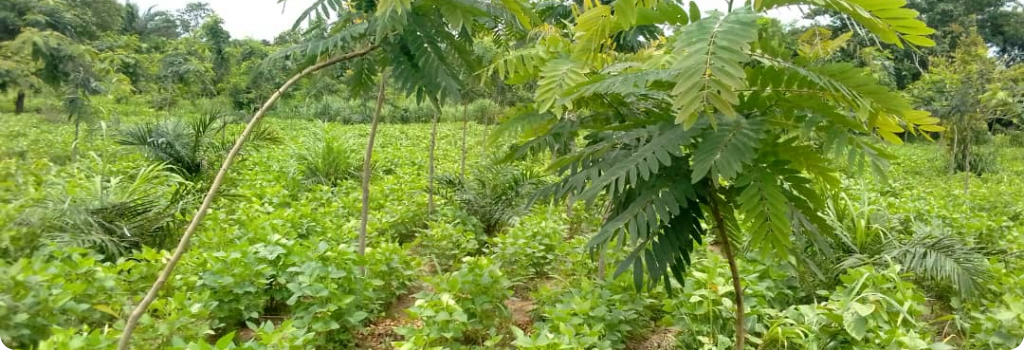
{"type": "Point", "coordinates": [408, 113]}
{"type": "Point", "coordinates": [329, 162]}
{"type": "Point", "coordinates": [993, 324]}
{"type": "Point", "coordinates": [446, 243]}
{"type": "Point", "coordinates": [109, 214]}
{"type": "Point", "coordinates": [495, 195]}
{"type": "Point", "coordinates": [1016, 138]}
{"type": "Point", "coordinates": [872, 309]}
{"type": "Point", "coordinates": [318, 286]}
{"type": "Point", "coordinates": [264, 337]}
{"type": "Point", "coordinates": [65, 288]}
{"type": "Point", "coordinates": [162, 101]}
{"type": "Point", "coordinates": [339, 110]}
{"type": "Point", "coordinates": [587, 315]}
{"type": "Point", "coordinates": [404, 222]}
{"type": "Point", "coordinates": [530, 248]}
{"type": "Point", "coordinates": [484, 111]}
{"type": "Point", "coordinates": [983, 161]}
{"type": "Point", "coordinates": [459, 309]}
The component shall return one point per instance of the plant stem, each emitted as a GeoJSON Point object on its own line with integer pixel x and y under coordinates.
{"type": "Point", "coordinates": [19, 103]}
{"type": "Point", "coordinates": [365, 215]}
{"type": "Point", "coordinates": [74, 143]}
{"type": "Point", "coordinates": [165, 274]}
{"type": "Point", "coordinates": [741, 330]}
{"type": "Point", "coordinates": [465, 127]}
{"type": "Point", "coordinates": [430, 162]}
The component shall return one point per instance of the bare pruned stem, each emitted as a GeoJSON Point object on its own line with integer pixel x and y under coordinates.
{"type": "Point", "coordinates": [365, 215]}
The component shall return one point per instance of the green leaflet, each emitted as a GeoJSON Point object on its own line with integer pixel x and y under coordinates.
{"type": "Point", "coordinates": [556, 77]}
{"type": "Point", "coordinates": [391, 16]}
{"type": "Point", "coordinates": [765, 207]}
{"type": "Point", "coordinates": [710, 57]}
{"type": "Point", "coordinates": [724, 151]}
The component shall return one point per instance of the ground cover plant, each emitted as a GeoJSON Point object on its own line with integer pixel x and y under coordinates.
{"type": "Point", "coordinates": [435, 174]}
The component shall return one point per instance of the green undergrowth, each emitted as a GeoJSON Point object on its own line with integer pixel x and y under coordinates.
{"type": "Point", "coordinates": [274, 266]}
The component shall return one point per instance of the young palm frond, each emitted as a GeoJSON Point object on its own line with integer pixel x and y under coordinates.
{"type": "Point", "coordinates": [329, 162]}
{"type": "Point", "coordinates": [181, 144]}
{"type": "Point", "coordinates": [495, 195]}
{"type": "Point", "coordinates": [942, 258]}
{"type": "Point", "coordinates": [112, 216]}
{"type": "Point", "coordinates": [863, 235]}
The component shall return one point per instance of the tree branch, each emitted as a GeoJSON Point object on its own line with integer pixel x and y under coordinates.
{"type": "Point", "coordinates": [165, 274]}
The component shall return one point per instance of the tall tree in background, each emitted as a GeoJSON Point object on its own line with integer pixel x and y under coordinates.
{"type": "Point", "coordinates": [213, 34]}
{"type": "Point", "coordinates": [192, 16]}
{"type": "Point", "coordinates": [966, 89]}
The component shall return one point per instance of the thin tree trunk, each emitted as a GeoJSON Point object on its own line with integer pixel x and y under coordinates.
{"type": "Point", "coordinates": [365, 216]}
{"type": "Point", "coordinates": [952, 155]}
{"type": "Point", "coordinates": [602, 255]}
{"type": "Point", "coordinates": [967, 160]}
{"type": "Point", "coordinates": [967, 169]}
{"type": "Point", "coordinates": [19, 103]}
{"type": "Point", "coordinates": [465, 127]}
{"type": "Point", "coordinates": [179, 251]}
{"type": "Point", "coordinates": [487, 133]}
{"type": "Point", "coordinates": [74, 143]}
{"type": "Point", "coordinates": [430, 170]}
{"type": "Point", "coordinates": [741, 330]}
{"type": "Point", "coordinates": [570, 199]}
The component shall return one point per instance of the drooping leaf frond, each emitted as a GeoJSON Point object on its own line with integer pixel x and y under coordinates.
{"type": "Point", "coordinates": [944, 259]}
{"type": "Point", "coordinates": [765, 206]}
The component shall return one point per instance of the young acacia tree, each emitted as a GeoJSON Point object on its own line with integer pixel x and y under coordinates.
{"type": "Point", "coordinates": [963, 90]}
{"type": "Point", "coordinates": [716, 129]}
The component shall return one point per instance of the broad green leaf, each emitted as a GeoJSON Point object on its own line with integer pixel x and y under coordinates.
{"type": "Point", "coordinates": [862, 309]}
{"type": "Point", "coordinates": [855, 324]}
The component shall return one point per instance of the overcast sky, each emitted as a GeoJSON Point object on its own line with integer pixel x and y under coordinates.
{"type": "Point", "coordinates": [264, 19]}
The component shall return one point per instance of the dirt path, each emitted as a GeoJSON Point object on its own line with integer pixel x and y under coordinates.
{"type": "Point", "coordinates": [379, 334]}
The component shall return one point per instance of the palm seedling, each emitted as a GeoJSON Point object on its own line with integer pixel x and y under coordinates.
{"type": "Point", "coordinates": [111, 215]}
{"type": "Point", "coordinates": [495, 195]}
{"type": "Point", "coordinates": [183, 145]}
{"type": "Point", "coordinates": [864, 235]}
{"type": "Point", "coordinates": [328, 161]}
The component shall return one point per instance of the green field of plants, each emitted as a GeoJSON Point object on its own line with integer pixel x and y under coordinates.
{"type": "Point", "coordinates": [549, 175]}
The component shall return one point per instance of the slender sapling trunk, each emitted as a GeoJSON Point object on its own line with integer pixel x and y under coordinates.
{"type": "Point", "coordinates": [365, 216]}
{"type": "Point", "coordinates": [74, 142]}
{"type": "Point", "coordinates": [430, 163]}
{"type": "Point", "coordinates": [741, 330]}
{"type": "Point", "coordinates": [465, 127]}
